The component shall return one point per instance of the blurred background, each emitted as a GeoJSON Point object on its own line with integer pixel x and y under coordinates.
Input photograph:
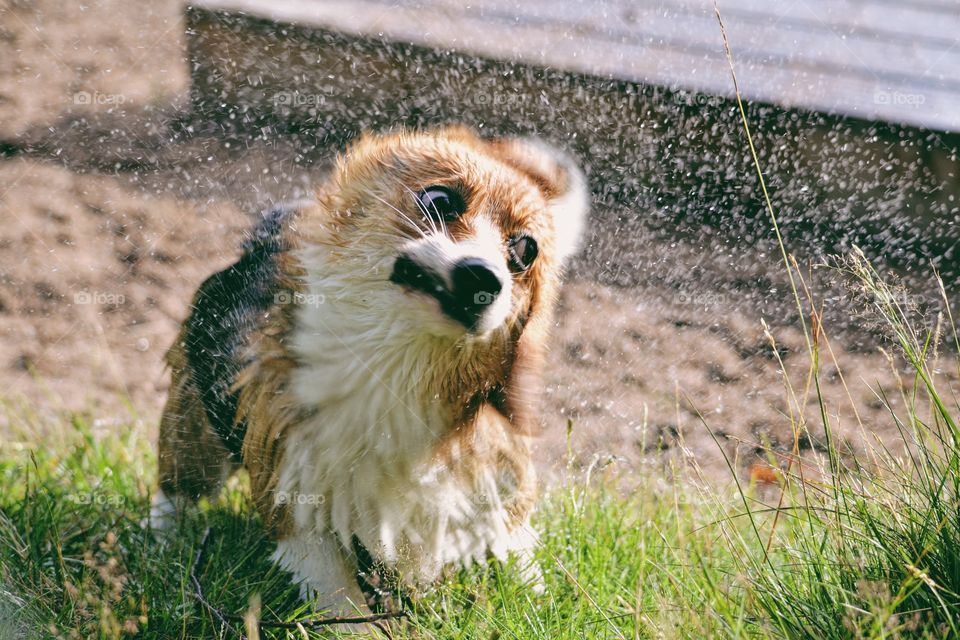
{"type": "Point", "coordinates": [137, 141]}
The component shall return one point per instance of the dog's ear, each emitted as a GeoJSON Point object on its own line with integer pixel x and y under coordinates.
{"type": "Point", "coordinates": [563, 184]}
{"type": "Point", "coordinates": [564, 187]}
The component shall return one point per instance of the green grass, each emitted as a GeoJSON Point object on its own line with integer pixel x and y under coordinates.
{"type": "Point", "coordinates": [846, 547]}
{"type": "Point", "coordinates": [73, 550]}
{"type": "Point", "coordinates": [875, 544]}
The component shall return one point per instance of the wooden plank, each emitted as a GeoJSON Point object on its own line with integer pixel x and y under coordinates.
{"type": "Point", "coordinates": [841, 65]}
{"type": "Point", "coordinates": [846, 17]}
{"type": "Point", "coordinates": [696, 29]}
{"type": "Point", "coordinates": [928, 5]}
{"type": "Point", "coordinates": [830, 17]}
{"type": "Point", "coordinates": [537, 44]}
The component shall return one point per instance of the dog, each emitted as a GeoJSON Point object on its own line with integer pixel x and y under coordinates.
{"type": "Point", "coordinates": [373, 361]}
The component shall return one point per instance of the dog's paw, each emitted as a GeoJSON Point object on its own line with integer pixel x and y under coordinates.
{"type": "Point", "coordinates": [164, 512]}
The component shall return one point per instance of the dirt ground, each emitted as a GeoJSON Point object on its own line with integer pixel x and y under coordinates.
{"type": "Point", "coordinates": [93, 60]}
{"type": "Point", "coordinates": [93, 282]}
{"type": "Point", "coordinates": [108, 228]}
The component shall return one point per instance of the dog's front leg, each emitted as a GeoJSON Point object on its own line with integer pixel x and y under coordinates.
{"type": "Point", "coordinates": [319, 565]}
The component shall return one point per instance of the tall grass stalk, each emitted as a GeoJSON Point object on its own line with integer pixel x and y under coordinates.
{"type": "Point", "coordinates": [882, 557]}
{"type": "Point", "coordinates": [877, 555]}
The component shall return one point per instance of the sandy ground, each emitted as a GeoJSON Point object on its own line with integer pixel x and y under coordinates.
{"type": "Point", "coordinates": [646, 376]}
{"type": "Point", "coordinates": [93, 281]}
{"type": "Point", "coordinates": [106, 61]}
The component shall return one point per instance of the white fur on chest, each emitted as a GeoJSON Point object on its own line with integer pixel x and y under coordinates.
{"type": "Point", "coordinates": [364, 464]}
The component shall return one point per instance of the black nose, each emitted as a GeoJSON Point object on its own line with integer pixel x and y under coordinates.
{"type": "Point", "coordinates": [474, 288]}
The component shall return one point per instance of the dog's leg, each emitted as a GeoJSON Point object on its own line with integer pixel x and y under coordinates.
{"type": "Point", "coordinates": [319, 565]}
{"type": "Point", "coordinates": [530, 571]}
{"type": "Point", "coordinates": [522, 546]}
{"type": "Point", "coordinates": [192, 461]}
{"type": "Point", "coordinates": [164, 510]}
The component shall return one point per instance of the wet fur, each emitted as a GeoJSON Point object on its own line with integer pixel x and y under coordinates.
{"type": "Point", "coordinates": [415, 445]}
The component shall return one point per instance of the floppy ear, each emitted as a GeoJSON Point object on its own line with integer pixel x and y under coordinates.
{"type": "Point", "coordinates": [560, 179]}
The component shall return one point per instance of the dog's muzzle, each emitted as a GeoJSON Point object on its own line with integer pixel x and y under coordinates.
{"type": "Point", "coordinates": [470, 287]}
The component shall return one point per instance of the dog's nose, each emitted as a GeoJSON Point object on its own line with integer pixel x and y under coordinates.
{"type": "Point", "coordinates": [475, 285]}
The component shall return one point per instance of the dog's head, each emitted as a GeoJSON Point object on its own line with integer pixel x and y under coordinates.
{"type": "Point", "coordinates": [451, 235]}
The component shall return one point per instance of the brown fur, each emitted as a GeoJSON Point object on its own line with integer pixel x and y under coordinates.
{"type": "Point", "coordinates": [267, 405]}
{"type": "Point", "coordinates": [492, 392]}
{"type": "Point", "coordinates": [192, 461]}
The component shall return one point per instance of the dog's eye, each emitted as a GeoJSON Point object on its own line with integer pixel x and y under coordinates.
{"type": "Point", "coordinates": [523, 251]}
{"type": "Point", "coordinates": [441, 203]}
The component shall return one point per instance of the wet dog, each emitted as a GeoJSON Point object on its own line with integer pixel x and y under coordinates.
{"type": "Point", "coordinates": [373, 359]}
